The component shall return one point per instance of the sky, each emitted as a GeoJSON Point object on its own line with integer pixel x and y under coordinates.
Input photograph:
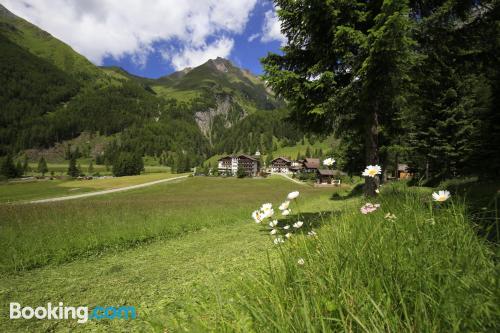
{"type": "Point", "coordinates": [157, 37]}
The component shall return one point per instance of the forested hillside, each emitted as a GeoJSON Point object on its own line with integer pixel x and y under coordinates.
{"type": "Point", "coordinates": [52, 94]}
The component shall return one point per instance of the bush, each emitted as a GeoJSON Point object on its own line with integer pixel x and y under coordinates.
{"type": "Point", "coordinates": [128, 164]}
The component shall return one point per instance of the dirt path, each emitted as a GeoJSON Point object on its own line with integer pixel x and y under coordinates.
{"type": "Point", "coordinates": [291, 179]}
{"type": "Point", "coordinates": [91, 194]}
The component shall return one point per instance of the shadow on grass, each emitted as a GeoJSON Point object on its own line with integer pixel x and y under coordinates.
{"type": "Point", "coordinates": [483, 202]}
{"type": "Point", "coordinates": [355, 192]}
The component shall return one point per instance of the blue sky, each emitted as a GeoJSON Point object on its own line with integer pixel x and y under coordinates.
{"type": "Point", "coordinates": [157, 37]}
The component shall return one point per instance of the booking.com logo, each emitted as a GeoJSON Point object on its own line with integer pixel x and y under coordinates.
{"type": "Point", "coordinates": [81, 313]}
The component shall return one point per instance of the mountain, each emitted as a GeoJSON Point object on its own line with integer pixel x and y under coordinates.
{"type": "Point", "coordinates": [50, 94]}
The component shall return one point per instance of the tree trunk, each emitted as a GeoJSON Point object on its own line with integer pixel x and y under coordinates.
{"type": "Point", "coordinates": [371, 147]}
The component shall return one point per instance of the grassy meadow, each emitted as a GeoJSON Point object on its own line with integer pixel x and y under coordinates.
{"type": "Point", "coordinates": [189, 257]}
{"type": "Point", "coordinates": [48, 188]}
{"type": "Point", "coordinates": [168, 238]}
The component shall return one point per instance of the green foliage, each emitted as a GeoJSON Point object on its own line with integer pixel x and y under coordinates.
{"type": "Point", "coordinates": [73, 170]}
{"type": "Point", "coordinates": [8, 168]}
{"type": "Point", "coordinates": [127, 164]}
{"type": "Point", "coordinates": [42, 166]}
{"type": "Point", "coordinates": [241, 173]}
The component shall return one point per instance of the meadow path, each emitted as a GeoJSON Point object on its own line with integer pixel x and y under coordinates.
{"type": "Point", "coordinates": [92, 194]}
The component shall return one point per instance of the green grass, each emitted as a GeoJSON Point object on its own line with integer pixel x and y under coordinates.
{"type": "Point", "coordinates": [36, 235]}
{"type": "Point", "coordinates": [188, 256]}
{"type": "Point", "coordinates": [41, 189]}
{"type": "Point", "coordinates": [61, 169]}
{"type": "Point", "coordinates": [427, 271]}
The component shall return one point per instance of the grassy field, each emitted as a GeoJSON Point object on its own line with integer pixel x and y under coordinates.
{"type": "Point", "coordinates": [184, 241]}
{"type": "Point", "coordinates": [190, 258]}
{"type": "Point", "coordinates": [41, 189]}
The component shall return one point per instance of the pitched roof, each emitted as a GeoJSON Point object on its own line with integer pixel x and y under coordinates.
{"type": "Point", "coordinates": [282, 158]}
{"type": "Point", "coordinates": [248, 157]}
{"type": "Point", "coordinates": [326, 172]}
{"type": "Point", "coordinates": [312, 163]}
{"type": "Point", "coordinates": [403, 167]}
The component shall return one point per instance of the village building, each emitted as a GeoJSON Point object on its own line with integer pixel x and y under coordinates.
{"type": "Point", "coordinates": [311, 164]}
{"type": "Point", "coordinates": [325, 176]}
{"type": "Point", "coordinates": [229, 165]}
{"type": "Point", "coordinates": [403, 172]}
{"type": "Point", "coordinates": [281, 165]}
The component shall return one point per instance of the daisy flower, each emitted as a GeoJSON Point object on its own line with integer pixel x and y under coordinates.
{"type": "Point", "coordinates": [286, 227]}
{"type": "Point", "coordinates": [312, 233]}
{"type": "Point", "coordinates": [369, 208]}
{"type": "Point", "coordinates": [273, 223]}
{"type": "Point", "coordinates": [286, 212]}
{"type": "Point", "coordinates": [372, 171]}
{"type": "Point", "coordinates": [278, 240]}
{"type": "Point", "coordinates": [441, 196]}
{"type": "Point", "coordinates": [288, 235]}
{"type": "Point", "coordinates": [284, 205]}
{"type": "Point", "coordinates": [257, 216]}
{"type": "Point", "coordinates": [298, 224]}
{"type": "Point", "coordinates": [273, 232]}
{"type": "Point", "coordinates": [300, 261]}
{"type": "Point", "coordinates": [293, 195]}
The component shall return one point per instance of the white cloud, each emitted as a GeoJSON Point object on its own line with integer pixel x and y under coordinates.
{"type": "Point", "coordinates": [271, 31]}
{"type": "Point", "coordinates": [197, 55]}
{"type": "Point", "coordinates": [253, 37]}
{"type": "Point", "coordinates": [100, 28]}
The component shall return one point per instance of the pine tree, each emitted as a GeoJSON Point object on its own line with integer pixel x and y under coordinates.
{"type": "Point", "coordinates": [360, 54]}
{"type": "Point", "coordinates": [72, 167]}
{"type": "Point", "coordinates": [25, 164]}
{"type": "Point", "coordinates": [7, 168]}
{"type": "Point", "coordinates": [90, 169]}
{"type": "Point", "coordinates": [42, 166]}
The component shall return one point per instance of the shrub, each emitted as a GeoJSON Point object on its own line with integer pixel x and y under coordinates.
{"type": "Point", "coordinates": [128, 164]}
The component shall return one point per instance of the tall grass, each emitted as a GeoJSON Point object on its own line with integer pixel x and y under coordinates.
{"type": "Point", "coordinates": [427, 271]}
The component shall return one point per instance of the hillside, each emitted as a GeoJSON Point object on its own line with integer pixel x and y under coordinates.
{"type": "Point", "coordinates": [54, 94]}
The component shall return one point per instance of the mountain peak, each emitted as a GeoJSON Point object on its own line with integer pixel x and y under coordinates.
{"type": "Point", "coordinates": [221, 64]}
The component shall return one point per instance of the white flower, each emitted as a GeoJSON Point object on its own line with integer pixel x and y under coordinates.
{"type": "Point", "coordinates": [284, 205]}
{"type": "Point", "coordinates": [312, 233]}
{"type": "Point", "coordinates": [390, 217]}
{"type": "Point", "coordinates": [441, 196]}
{"type": "Point", "coordinates": [329, 161]}
{"type": "Point", "coordinates": [273, 232]}
{"type": "Point", "coordinates": [288, 235]}
{"type": "Point", "coordinates": [293, 195]}
{"type": "Point", "coordinates": [298, 224]}
{"type": "Point", "coordinates": [286, 227]}
{"type": "Point", "coordinates": [286, 212]}
{"type": "Point", "coordinates": [377, 191]}
{"type": "Point", "coordinates": [273, 223]}
{"type": "Point", "coordinates": [266, 206]}
{"type": "Point", "coordinates": [300, 261]}
{"type": "Point", "coordinates": [278, 240]}
{"type": "Point", "coordinates": [372, 171]}
{"type": "Point", "coordinates": [267, 213]}
{"type": "Point", "coordinates": [257, 216]}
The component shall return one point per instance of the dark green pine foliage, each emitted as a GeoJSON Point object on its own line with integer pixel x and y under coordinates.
{"type": "Point", "coordinates": [345, 67]}
{"type": "Point", "coordinates": [128, 164]}
{"type": "Point", "coordinates": [42, 166]}
{"type": "Point", "coordinates": [73, 170]}
{"type": "Point", "coordinates": [451, 128]}
{"type": "Point", "coordinates": [8, 169]}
